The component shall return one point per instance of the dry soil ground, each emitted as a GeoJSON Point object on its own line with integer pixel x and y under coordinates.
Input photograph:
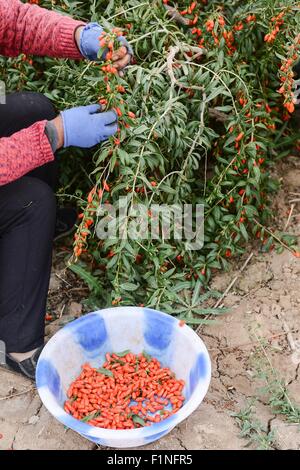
{"type": "Point", "coordinates": [255, 345]}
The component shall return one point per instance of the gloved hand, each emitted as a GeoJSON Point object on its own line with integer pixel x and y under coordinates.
{"type": "Point", "coordinates": [86, 126]}
{"type": "Point", "coordinates": [89, 46]}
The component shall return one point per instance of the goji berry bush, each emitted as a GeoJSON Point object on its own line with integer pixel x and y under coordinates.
{"type": "Point", "coordinates": [205, 111]}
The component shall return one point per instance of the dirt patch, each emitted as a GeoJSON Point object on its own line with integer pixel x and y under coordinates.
{"type": "Point", "coordinates": [255, 345]}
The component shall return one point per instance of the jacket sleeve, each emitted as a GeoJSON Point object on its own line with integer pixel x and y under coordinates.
{"type": "Point", "coordinates": [24, 151]}
{"type": "Point", "coordinates": [33, 30]}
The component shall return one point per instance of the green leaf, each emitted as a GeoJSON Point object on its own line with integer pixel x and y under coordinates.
{"type": "Point", "coordinates": [123, 353]}
{"type": "Point", "coordinates": [138, 420]}
{"type": "Point", "coordinates": [103, 371]}
{"type": "Point", "coordinates": [251, 149]}
{"type": "Point", "coordinates": [122, 154]}
{"type": "Point", "coordinates": [119, 361]}
{"type": "Point", "coordinates": [112, 262]}
{"type": "Point", "coordinates": [147, 356]}
{"type": "Point", "coordinates": [128, 286]}
{"type": "Point", "coordinates": [250, 211]}
{"type": "Point", "coordinates": [88, 418]}
{"type": "Point", "coordinates": [244, 231]}
{"type": "Point", "coordinates": [140, 130]}
{"type": "Point", "coordinates": [87, 277]}
{"type": "Point", "coordinates": [196, 293]}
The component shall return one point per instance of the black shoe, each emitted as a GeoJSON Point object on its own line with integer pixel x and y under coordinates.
{"type": "Point", "coordinates": [65, 222]}
{"type": "Point", "coordinates": [26, 367]}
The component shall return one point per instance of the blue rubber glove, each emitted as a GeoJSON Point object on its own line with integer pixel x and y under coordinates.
{"type": "Point", "coordinates": [89, 42]}
{"type": "Point", "coordinates": [86, 126]}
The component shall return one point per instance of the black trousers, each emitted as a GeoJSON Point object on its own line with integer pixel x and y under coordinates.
{"type": "Point", "coordinates": [27, 223]}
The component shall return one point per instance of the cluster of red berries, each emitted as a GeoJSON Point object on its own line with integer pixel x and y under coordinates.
{"type": "Point", "coordinates": [287, 75]}
{"type": "Point", "coordinates": [276, 22]}
{"type": "Point", "coordinates": [111, 97]}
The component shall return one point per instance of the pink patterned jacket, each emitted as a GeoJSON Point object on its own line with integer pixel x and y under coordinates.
{"type": "Point", "coordinates": [32, 30]}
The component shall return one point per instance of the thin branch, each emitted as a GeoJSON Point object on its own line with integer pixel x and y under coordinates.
{"type": "Point", "coordinates": [218, 115]}
{"type": "Point", "coordinates": [263, 349]}
{"type": "Point", "coordinates": [62, 279]}
{"type": "Point", "coordinates": [229, 287]}
{"type": "Point", "coordinates": [294, 200]}
{"type": "Point", "coordinates": [62, 311]}
{"type": "Point", "coordinates": [170, 60]}
{"type": "Point", "coordinates": [289, 217]}
{"type": "Point", "coordinates": [17, 394]}
{"type": "Point", "coordinates": [287, 330]}
{"type": "Point", "coordinates": [176, 16]}
{"type": "Point", "coordinates": [274, 236]}
{"type": "Point", "coordinates": [122, 13]}
{"type": "Point", "coordinates": [252, 343]}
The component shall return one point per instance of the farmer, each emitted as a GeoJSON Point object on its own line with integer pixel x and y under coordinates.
{"type": "Point", "coordinates": [30, 135]}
